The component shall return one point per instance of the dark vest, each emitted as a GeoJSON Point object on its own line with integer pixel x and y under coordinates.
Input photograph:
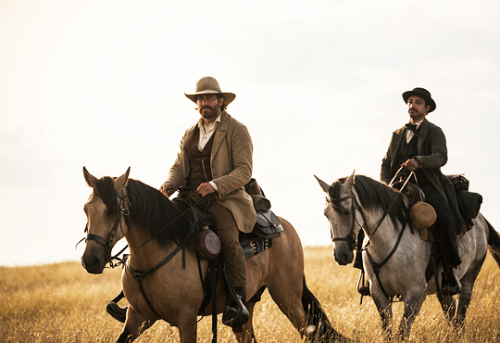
{"type": "Point", "coordinates": [406, 152]}
{"type": "Point", "coordinates": [199, 161]}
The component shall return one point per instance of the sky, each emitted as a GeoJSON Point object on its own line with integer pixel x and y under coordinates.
{"type": "Point", "coordinates": [318, 84]}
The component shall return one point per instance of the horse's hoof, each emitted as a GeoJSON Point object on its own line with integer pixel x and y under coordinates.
{"type": "Point", "coordinates": [309, 332]}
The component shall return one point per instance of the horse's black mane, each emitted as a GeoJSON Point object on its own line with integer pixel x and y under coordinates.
{"type": "Point", "coordinates": [149, 210]}
{"type": "Point", "coordinates": [373, 195]}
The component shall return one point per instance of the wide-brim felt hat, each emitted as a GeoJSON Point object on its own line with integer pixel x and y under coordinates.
{"type": "Point", "coordinates": [424, 94]}
{"type": "Point", "coordinates": [209, 85]}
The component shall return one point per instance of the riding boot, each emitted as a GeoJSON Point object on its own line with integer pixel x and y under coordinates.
{"type": "Point", "coordinates": [450, 285]}
{"type": "Point", "coordinates": [235, 312]}
{"type": "Point", "coordinates": [116, 311]}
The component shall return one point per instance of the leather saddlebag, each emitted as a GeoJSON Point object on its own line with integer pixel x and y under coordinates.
{"type": "Point", "coordinates": [268, 225]}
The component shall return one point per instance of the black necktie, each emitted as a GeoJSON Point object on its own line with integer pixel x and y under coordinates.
{"type": "Point", "coordinates": [411, 127]}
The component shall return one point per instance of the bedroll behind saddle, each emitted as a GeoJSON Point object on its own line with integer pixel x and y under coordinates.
{"type": "Point", "coordinates": [469, 203]}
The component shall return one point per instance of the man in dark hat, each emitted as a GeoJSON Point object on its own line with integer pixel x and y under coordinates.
{"type": "Point", "coordinates": [215, 158]}
{"type": "Point", "coordinates": [420, 147]}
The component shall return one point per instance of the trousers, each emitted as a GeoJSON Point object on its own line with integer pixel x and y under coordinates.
{"type": "Point", "coordinates": [228, 233]}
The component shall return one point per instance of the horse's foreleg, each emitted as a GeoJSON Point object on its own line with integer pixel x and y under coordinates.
{"type": "Point", "coordinates": [135, 325]}
{"type": "Point", "coordinates": [187, 326]}
{"type": "Point", "coordinates": [247, 336]}
{"type": "Point", "coordinates": [384, 309]}
{"type": "Point", "coordinates": [412, 304]}
{"type": "Point", "coordinates": [449, 307]}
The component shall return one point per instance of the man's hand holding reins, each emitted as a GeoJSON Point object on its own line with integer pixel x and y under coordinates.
{"type": "Point", "coordinates": [411, 165]}
{"type": "Point", "coordinates": [205, 188]}
{"type": "Point", "coordinates": [167, 190]}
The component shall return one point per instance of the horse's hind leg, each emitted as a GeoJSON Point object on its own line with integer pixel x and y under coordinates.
{"type": "Point", "coordinates": [248, 336]}
{"type": "Point", "coordinates": [465, 296]}
{"type": "Point", "coordinates": [289, 300]}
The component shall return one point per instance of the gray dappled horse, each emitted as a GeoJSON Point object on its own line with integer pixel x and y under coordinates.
{"type": "Point", "coordinates": [359, 202]}
{"type": "Point", "coordinates": [155, 229]}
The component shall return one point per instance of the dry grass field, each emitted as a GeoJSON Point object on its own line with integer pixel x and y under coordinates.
{"type": "Point", "coordinates": [62, 303]}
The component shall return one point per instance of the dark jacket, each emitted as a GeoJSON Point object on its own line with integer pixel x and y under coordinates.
{"type": "Point", "coordinates": [432, 155]}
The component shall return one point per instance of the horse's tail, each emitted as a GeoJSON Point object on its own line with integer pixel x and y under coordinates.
{"type": "Point", "coordinates": [324, 332]}
{"type": "Point", "coordinates": [493, 242]}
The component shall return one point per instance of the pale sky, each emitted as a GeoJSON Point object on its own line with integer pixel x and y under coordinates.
{"type": "Point", "coordinates": [100, 84]}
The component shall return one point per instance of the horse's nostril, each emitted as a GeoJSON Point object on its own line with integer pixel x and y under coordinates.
{"type": "Point", "coordinates": [96, 263]}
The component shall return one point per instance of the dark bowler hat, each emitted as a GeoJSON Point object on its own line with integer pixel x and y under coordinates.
{"type": "Point", "coordinates": [424, 94]}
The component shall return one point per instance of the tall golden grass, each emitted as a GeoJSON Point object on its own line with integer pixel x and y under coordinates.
{"type": "Point", "coordinates": [62, 303]}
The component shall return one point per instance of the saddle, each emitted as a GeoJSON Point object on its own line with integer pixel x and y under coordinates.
{"type": "Point", "coordinates": [267, 227]}
{"type": "Point", "coordinates": [469, 203]}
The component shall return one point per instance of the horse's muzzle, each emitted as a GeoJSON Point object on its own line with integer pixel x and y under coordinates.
{"type": "Point", "coordinates": [343, 256]}
{"type": "Point", "coordinates": [93, 263]}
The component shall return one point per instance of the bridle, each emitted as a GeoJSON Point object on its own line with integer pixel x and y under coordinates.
{"type": "Point", "coordinates": [351, 236]}
{"type": "Point", "coordinates": [108, 244]}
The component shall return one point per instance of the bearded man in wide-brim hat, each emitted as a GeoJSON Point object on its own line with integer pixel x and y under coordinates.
{"type": "Point", "coordinates": [215, 157]}
{"type": "Point", "coordinates": [420, 147]}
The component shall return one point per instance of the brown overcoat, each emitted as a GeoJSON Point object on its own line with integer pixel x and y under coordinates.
{"type": "Point", "coordinates": [231, 161]}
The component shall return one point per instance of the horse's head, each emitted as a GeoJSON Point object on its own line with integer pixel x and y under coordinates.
{"type": "Point", "coordinates": [343, 219]}
{"type": "Point", "coordinates": [106, 210]}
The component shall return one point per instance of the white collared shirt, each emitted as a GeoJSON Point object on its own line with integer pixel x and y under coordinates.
{"type": "Point", "coordinates": [206, 132]}
{"type": "Point", "coordinates": [410, 134]}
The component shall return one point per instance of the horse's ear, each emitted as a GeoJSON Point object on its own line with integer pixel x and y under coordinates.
{"type": "Point", "coordinates": [350, 180]}
{"type": "Point", "coordinates": [323, 184]}
{"type": "Point", "coordinates": [121, 181]}
{"type": "Point", "coordinates": [91, 179]}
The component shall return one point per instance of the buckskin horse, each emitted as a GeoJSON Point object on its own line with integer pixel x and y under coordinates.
{"type": "Point", "coordinates": [122, 207]}
{"type": "Point", "coordinates": [395, 257]}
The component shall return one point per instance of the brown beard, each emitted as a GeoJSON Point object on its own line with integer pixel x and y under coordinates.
{"type": "Point", "coordinates": [214, 111]}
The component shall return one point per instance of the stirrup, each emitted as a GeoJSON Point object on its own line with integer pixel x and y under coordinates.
{"type": "Point", "coordinates": [235, 316]}
{"type": "Point", "coordinates": [117, 312]}
{"type": "Point", "coordinates": [362, 287]}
